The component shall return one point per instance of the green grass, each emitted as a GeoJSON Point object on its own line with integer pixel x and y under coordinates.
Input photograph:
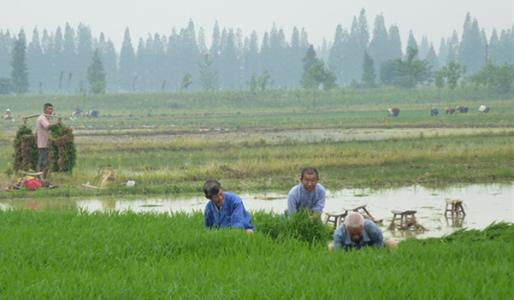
{"type": "Point", "coordinates": [181, 166]}
{"type": "Point", "coordinates": [235, 110]}
{"type": "Point", "coordinates": [129, 256]}
{"type": "Point", "coordinates": [171, 142]}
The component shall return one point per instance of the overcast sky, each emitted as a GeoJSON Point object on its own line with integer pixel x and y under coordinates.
{"type": "Point", "coordinates": [434, 18]}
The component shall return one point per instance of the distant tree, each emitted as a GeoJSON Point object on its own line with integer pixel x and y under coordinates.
{"type": "Point", "coordinates": [35, 63]}
{"type": "Point", "coordinates": [263, 80]}
{"type": "Point", "coordinates": [472, 48]}
{"type": "Point", "coordinates": [497, 78]}
{"type": "Point", "coordinates": [84, 51]}
{"type": "Point", "coordinates": [405, 73]}
{"type": "Point", "coordinates": [187, 80]}
{"type": "Point", "coordinates": [19, 78]}
{"type": "Point", "coordinates": [127, 63]}
{"type": "Point", "coordinates": [5, 86]}
{"type": "Point", "coordinates": [379, 43]}
{"type": "Point", "coordinates": [453, 45]}
{"type": "Point", "coordinates": [368, 75]}
{"type": "Point", "coordinates": [96, 74]}
{"type": "Point", "coordinates": [253, 83]}
{"type": "Point", "coordinates": [450, 74]}
{"type": "Point", "coordinates": [431, 58]}
{"type": "Point", "coordinates": [439, 78]}
{"type": "Point", "coordinates": [208, 75]}
{"type": "Point", "coordinates": [395, 43]}
{"type": "Point", "coordinates": [5, 53]}
{"type": "Point", "coordinates": [316, 74]}
{"type": "Point", "coordinates": [453, 72]}
{"type": "Point", "coordinates": [336, 55]}
{"type": "Point", "coordinates": [309, 59]}
{"type": "Point", "coordinates": [412, 44]}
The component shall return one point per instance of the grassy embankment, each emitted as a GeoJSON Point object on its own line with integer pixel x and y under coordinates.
{"type": "Point", "coordinates": [65, 255]}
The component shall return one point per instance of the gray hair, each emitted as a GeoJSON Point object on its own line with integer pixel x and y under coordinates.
{"type": "Point", "coordinates": [353, 220]}
{"type": "Point", "coordinates": [211, 187]}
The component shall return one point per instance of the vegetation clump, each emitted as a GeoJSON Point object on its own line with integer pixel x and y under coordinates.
{"type": "Point", "coordinates": [62, 154]}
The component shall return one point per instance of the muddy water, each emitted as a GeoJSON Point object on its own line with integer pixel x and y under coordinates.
{"type": "Point", "coordinates": [483, 205]}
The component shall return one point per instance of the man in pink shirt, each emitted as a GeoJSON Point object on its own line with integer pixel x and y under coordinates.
{"type": "Point", "coordinates": [42, 134]}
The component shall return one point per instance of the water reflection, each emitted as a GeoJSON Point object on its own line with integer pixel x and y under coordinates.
{"type": "Point", "coordinates": [483, 205]}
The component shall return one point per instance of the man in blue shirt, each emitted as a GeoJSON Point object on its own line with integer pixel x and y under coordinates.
{"type": "Point", "coordinates": [309, 194]}
{"type": "Point", "coordinates": [224, 209]}
{"type": "Point", "coordinates": [357, 233]}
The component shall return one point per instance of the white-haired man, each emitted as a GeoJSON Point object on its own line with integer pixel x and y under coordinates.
{"type": "Point", "coordinates": [357, 233]}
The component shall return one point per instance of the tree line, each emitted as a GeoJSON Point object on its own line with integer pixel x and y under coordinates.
{"type": "Point", "coordinates": [72, 60]}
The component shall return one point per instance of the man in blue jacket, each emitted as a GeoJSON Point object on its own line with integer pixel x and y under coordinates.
{"type": "Point", "coordinates": [224, 209]}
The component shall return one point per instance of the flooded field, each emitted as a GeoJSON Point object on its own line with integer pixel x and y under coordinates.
{"type": "Point", "coordinates": [483, 205]}
{"type": "Point", "coordinates": [279, 136]}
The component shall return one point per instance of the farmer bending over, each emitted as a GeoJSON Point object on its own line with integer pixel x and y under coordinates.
{"type": "Point", "coordinates": [224, 209]}
{"type": "Point", "coordinates": [357, 233]}
{"type": "Point", "coordinates": [308, 194]}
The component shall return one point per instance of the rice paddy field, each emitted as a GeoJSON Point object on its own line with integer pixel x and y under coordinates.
{"type": "Point", "coordinates": [65, 255]}
{"type": "Point", "coordinates": [169, 144]}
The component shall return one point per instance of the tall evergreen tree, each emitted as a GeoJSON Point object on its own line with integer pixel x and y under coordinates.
{"type": "Point", "coordinates": [127, 64]}
{"type": "Point", "coordinates": [208, 75]}
{"type": "Point", "coordinates": [432, 59]}
{"type": "Point", "coordinates": [69, 58]}
{"type": "Point", "coordinates": [56, 64]}
{"type": "Point", "coordinates": [395, 43]}
{"type": "Point", "coordinates": [109, 60]}
{"type": "Point", "coordinates": [229, 71]}
{"type": "Point", "coordinates": [96, 74]}
{"type": "Point", "coordinates": [35, 67]}
{"type": "Point", "coordinates": [424, 47]}
{"type": "Point", "coordinates": [251, 57]}
{"type": "Point", "coordinates": [368, 74]}
{"type": "Point", "coordinates": [443, 52]}
{"type": "Point", "coordinates": [335, 58]}
{"type": "Point", "coordinates": [5, 53]}
{"type": "Point", "coordinates": [379, 42]}
{"type": "Point", "coordinates": [412, 44]}
{"type": "Point", "coordinates": [84, 53]}
{"type": "Point", "coordinates": [202, 44]}
{"type": "Point", "coordinates": [493, 48]}
{"type": "Point", "coordinates": [453, 48]}
{"type": "Point", "coordinates": [472, 48]}
{"type": "Point", "coordinates": [294, 58]}
{"type": "Point", "coordinates": [19, 77]}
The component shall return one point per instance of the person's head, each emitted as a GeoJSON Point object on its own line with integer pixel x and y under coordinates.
{"type": "Point", "coordinates": [309, 178]}
{"type": "Point", "coordinates": [48, 108]}
{"type": "Point", "coordinates": [214, 192]}
{"type": "Point", "coordinates": [354, 225]}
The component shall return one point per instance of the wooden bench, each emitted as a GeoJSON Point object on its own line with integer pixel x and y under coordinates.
{"type": "Point", "coordinates": [366, 214]}
{"type": "Point", "coordinates": [337, 219]}
{"type": "Point", "coordinates": [404, 219]}
{"type": "Point", "coordinates": [455, 208]}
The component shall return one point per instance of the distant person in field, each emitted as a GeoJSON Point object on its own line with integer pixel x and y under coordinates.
{"type": "Point", "coordinates": [357, 233]}
{"type": "Point", "coordinates": [308, 194]}
{"type": "Point", "coordinates": [224, 209]}
{"type": "Point", "coordinates": [43, 127]}
{"type": "Point", "coordinates": [8, 115]}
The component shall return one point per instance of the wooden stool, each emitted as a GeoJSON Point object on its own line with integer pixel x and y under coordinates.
{"type": "Point", "coordinates": [454, 206]}
{"type": "Point", "coordinates": [365, 213]}
{"type": "Point", "coordinates": [335, 218]}
{"type": "Point", "coordinates": [404, 219]}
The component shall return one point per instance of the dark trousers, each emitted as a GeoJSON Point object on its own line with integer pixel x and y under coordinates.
{"type": "Point", "coordinates": [42, 161]}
